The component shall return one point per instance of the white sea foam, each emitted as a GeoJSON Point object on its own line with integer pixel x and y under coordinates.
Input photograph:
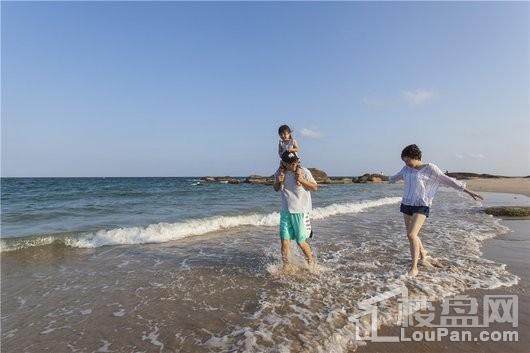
{"type": "Point", "coordinates": [163, 232]}
{"type": "Point", "coordinates": [321, 304]}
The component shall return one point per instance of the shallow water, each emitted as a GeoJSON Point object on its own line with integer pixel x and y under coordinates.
{"type": "Point", "coordinates": [223, 291]}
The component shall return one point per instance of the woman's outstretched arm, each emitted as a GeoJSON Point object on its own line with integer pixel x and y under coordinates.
{"type": "Point", "coordinates": [453, 183]}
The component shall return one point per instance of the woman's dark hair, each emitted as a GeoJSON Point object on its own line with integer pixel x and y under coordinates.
{"type": "Point", "coordinates": [284, 128]}
{"type": "Point", "coordinates": [411, 151]}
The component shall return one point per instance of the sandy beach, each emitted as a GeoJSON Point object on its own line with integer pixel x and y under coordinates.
{"type": "Point", "coordinates": [505, 185]}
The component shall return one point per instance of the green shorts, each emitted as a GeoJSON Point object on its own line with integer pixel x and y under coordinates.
{"type": "Point", "coordinates": [294, 226]}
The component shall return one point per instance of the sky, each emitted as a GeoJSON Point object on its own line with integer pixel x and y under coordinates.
{"type": "Point", "coordinates": [192, 89]}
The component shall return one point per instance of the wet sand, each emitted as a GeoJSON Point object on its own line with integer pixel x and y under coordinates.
{"type": "Point", "coordinates": [511, 249]}
{"type": "Point", "coordinates": [506, 185]}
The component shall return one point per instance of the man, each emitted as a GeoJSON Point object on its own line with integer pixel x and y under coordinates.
{"type": "Point", "coordinates": [295, 205]}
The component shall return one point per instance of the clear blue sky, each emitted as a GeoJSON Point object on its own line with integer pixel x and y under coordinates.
{"type": "Point", "coordinates": [181, 89]}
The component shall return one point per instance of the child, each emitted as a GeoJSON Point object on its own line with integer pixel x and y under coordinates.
{"type": "Point", "coordinates": [295, 205]}
{"type": "Point", "coordinates": [421, 183]}
{"type": "Point", "coordinates": [287, 143]}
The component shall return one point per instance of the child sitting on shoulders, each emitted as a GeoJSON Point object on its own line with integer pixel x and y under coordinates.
{"type": "Point", "coordinates": [287, 143]}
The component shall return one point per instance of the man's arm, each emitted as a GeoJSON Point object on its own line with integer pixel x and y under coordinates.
{"type": "Point", "coordinates": [309, 185]}
{"type": "Point", "coordinates": [307, 180]}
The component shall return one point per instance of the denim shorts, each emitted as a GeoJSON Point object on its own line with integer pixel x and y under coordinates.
{"type": "Point", "coordinates": [410, 210]}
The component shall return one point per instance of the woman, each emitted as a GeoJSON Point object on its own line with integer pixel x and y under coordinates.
{"type": "Point", "coordinates": [421, 183]}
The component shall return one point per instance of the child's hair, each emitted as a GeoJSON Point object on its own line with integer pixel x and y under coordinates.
{"type": "Point", "coordinates": [284, 128]}
{"type": "Point", "coordinates": [411, 151]}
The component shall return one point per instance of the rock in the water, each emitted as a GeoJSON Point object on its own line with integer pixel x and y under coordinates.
{"type": "Point", "coordinates": [370, 178]}
{"type": "Point", "coordinates": [260, 180]}
{"type": "Point", "coordinates": [320, 176]}
{"type": "Point", "coordinates": [508, 211]}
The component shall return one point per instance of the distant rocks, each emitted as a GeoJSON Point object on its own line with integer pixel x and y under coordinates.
{"type": "Point", "coordinates": [370, 178]}
{"type": "Point", "coordinates": [462, 175]}
{"type": "Point", "coordinates": [320, 176]}
{"type": "Point", "coordinates": [260, 180]}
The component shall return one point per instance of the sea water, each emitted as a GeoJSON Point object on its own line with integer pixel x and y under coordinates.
{"type": "Point", "coordinates": [176, 265]}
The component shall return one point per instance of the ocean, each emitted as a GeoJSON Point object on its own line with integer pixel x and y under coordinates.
{"type": "Point", "coordinates": [176, 265]}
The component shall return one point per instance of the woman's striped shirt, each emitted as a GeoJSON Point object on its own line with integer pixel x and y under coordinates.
{"type": "Point", "coordinates": [421, 184]}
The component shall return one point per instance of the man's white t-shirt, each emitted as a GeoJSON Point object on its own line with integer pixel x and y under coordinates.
{"type": "Point", "coordinates": [296, 199]}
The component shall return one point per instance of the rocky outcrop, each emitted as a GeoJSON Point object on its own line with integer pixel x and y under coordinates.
{"type": "Point", "coordinates": [260, 180]}
{"type": "Point", "coordinates": [509, 211]}
{"type": "Point", "coordinates": [462, 175]}
{"type": "Point", "coordinates": [320, 176]}
{"type": "Point", "coordinates": [370, 178]}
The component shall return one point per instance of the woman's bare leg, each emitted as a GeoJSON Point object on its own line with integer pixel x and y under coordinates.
{"type": "Point", "coordinates": [415, 224]}
{"type": "Point", "coordinates": [423, 252]}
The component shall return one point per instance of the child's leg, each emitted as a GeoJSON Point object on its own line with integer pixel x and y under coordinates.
{"type": "Point", "coordinates": [415, 225]}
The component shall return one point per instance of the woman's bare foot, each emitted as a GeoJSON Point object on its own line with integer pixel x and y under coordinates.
{"type": "Point", "coordinates": [413, 272]}
{"type": "Point", "coordinates": [435, 263]}
{"type": "Point", "coordinates": [426, 263]}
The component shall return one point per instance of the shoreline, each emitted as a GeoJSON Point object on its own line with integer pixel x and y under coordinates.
{"type": "Point", "coordinates": [511, 249]}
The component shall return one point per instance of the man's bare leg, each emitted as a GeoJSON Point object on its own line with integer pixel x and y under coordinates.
{"type": "Point", "coordinates": [306, 249]}
{"type": "Point", "coordinates": [416, 222]}
{"type": "Point", "coordinates": [286, 253]}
